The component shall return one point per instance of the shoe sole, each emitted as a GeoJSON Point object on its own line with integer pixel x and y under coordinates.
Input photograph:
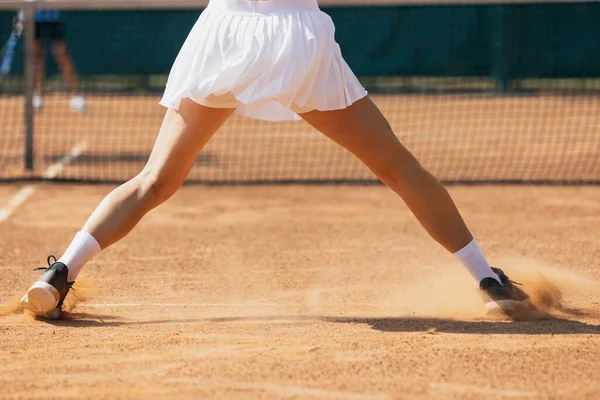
{"type": "Point", "coordinates": [41, 299]}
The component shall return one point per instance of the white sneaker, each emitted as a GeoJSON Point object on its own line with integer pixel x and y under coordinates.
{"type": "Point", "coordinates": [78, 104]}
{"type": "Point", "coordinates": [37, 102]}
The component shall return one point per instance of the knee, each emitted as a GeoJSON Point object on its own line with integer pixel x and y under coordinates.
{"type": "Point", "coordinates": [38, 52]}
{"type": "Point", "coordinates": [154, 187]}
{"type": "Point", "coordinates": [398, 166]}
{"type": "Point", "coordinates": [59, 51]}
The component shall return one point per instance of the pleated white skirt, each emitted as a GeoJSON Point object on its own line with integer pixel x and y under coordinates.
{"type": "Point", "coordinates": [269, 59]}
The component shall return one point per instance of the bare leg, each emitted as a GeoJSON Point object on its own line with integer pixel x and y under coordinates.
{"type": "Point", "coordinates": [65, 63]}
{"type": "Point", "coordinates": [182, 135]}
{"type": "Point", "coordinates": [364, 131]}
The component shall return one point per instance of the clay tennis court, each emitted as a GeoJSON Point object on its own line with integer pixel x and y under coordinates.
{"type": "Point", "coordinates": [304, 292]}
{"type": "Point", "coordinates": [307, 291]}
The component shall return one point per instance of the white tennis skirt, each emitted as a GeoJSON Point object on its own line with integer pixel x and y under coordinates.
{"type": "Point", "coordinates": [269, 59]}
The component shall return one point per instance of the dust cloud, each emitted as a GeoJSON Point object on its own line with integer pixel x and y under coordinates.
{"type": "Point", "coordinates": [452, 294]}
{"type": "Point", "coordinates": [83, 290]}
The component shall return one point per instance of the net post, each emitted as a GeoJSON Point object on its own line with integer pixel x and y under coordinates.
{"type": "Point", "coordinates": [29, 81]}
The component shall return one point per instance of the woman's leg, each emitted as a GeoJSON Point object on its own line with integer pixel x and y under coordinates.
{"type": "Point", "coordinates": [364, 131]}
{"type": "Point", "coordinates": [181, 137]}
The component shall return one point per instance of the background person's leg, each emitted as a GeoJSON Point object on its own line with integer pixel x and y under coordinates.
{"type": "Point", "coordinates": [67, 67]}
{"type": "Point", "coordinates": [65, 64]}
{"type": "Point", "coordinates": [39, 65]}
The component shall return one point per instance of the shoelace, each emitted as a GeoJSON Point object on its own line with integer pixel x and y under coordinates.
{"type": "Point", "coordinates": [501, 274]}
{"type": "Point", "coordinates": [513, 282]}
{"type": "Point", "coordinates": [50, 257]}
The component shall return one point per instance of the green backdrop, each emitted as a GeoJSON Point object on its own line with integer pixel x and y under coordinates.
{"type": "Point", "coordinates": [501, 41]}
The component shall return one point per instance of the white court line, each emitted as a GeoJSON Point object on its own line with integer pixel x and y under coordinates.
{"type": "Point", "coordinates": [53, 170]}
{"type": "Point", "coordinates": [16, 201]}
{"type": "Point", "coordinates": [233, 305]}
{"type": "Point", "coordinates": [65, 160]}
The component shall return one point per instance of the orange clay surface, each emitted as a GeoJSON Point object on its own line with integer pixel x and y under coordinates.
{"type": "Point", "coordinates": [304, 292]}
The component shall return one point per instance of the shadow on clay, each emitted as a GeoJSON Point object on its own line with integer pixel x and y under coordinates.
{"type": "Point", "coordinates": [548, 326]}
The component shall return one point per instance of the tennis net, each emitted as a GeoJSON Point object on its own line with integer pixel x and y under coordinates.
{"type": "Point", "coordinates": [480, 92]}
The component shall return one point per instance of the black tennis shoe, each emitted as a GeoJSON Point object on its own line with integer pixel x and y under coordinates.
{"type": "Point", "coordinates": [46, 296]}
{"type": "Point", "coordinates": [505, 297]}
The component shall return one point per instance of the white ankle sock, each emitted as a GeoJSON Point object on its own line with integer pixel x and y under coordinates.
{"type": "Point", "coordinates": [80, 251]}
{"type": "Point", "coordinates": [474, 261]}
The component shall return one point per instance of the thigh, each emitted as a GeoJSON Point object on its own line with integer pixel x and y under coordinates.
{"type": "Point", "coordinates": [59, 48]}
{"type": "Point", "coordinates": [182, 135]}
{"type": "Point", "coordinates": [363, 130]}
{"type": "Point", "coordinates": [38, 48]}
